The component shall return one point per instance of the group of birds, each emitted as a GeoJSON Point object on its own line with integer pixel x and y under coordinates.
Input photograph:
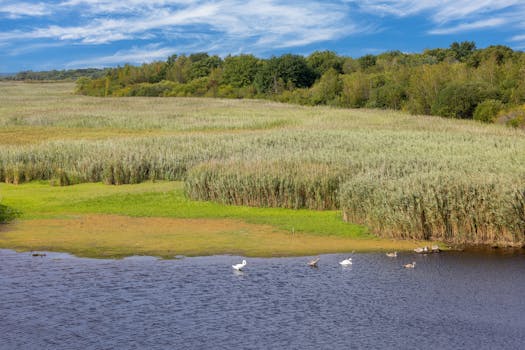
{"type": "Point", "coordinates": [348, 262]}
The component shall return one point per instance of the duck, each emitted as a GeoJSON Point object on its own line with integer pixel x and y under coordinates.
{"type": "Point", "coordinates": [435, 249]}
{"type": "Point", "coordinates": [410, 266]}
{"type": "Point", "coordinates": [240, 266]}
{"type": "Point", "coordinates": [392, 255]}
{"type": "Point", "coordinates": [313, 262]}
{"type": "Point", "coordinates": [346, 262]}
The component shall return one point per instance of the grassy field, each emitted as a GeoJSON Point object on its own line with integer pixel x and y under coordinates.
{"type": "Point", "coordinates": [95, 220]}
{"type": "Point", "coordinates": [402, 176]}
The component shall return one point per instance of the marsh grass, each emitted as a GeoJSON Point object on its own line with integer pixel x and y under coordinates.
{"type": "Point", "coordinates": [403, 176]}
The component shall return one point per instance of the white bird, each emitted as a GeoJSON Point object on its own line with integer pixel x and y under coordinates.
{"type": "Point", "coordinates": [392, 255]}
{"type": "Point", "coordinates": [239, 267]}
{"type": "Point", "coordinates": [410, 266]}
{"type": "Point", "coordinates": [346, 262]}
{"type": "Point", "coordinates": [435, 249]}
{"type": "Point", "coordinates": [313, 263]}
{"type": "Point", "coordinates": [421, 250]}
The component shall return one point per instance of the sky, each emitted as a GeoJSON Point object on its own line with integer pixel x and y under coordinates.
{"type": "Point", "coordinates": [68, 34]}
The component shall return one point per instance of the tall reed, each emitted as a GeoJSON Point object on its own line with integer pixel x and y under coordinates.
{"type": "Point", "coordinates": [452, 208]}
{"type": "Point", "coordinates": [266, 184]}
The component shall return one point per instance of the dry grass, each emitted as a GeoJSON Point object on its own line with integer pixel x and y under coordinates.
{"type": "Point", "coordinates": [120, 236]}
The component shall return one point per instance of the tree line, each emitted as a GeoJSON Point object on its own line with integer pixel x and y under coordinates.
{"type": "Point", "coordinates": [460, 81]}
{"type": "Point", "coordinates": [65, 74]}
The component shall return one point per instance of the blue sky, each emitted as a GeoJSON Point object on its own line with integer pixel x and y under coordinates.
{"type": "Point", "coordinates": [63, 34]}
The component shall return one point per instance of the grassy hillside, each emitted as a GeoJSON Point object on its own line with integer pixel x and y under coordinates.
{"type": "Point", "coordinates": [402, 176]}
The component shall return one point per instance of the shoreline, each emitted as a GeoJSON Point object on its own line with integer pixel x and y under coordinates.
{"type": "Point", "coordinates": [59, 255]}
{"type": "Point", "coordinates": [118, 236]}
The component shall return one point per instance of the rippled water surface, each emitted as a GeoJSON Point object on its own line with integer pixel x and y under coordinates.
{"type": "Point", "coordinates": [452, 300]}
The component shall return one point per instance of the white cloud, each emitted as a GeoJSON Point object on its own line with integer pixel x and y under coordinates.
{"type": "Point", "coordinates": [463, 27]}
{"type": "Point", "coordinates": [233, 21]}
{"type": "Point", "coordinates": [440, 11]}
{"type": "Point", "coordinates": [451, 16]}
{"type": "Point", "coordinates": [21, 9]}
{"type": "Point", "coordinates": [518, 38]}
{"type": "Point", "coordinates": [134, 55]}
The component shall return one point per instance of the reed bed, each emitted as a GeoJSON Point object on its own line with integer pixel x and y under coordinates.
{"type": "Point", "coordinates": [263, 184]}
{"type": "Point", "coordinates": [403, 176]}
{"type": "Point", "coordinates": [450, 207]}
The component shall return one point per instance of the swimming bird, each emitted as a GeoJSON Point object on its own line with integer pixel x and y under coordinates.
{"type": "Point", "coordinates": [410, 266]}
{"type": "Point", "coordinates": [435, 249]}
{"type": "Point", "coordinates": [392, 255]}
{"type": "Point", "coordinates": [313, 262]}
{"type": "Point", "coordinates": [346, 262]}
{"type": "Point", "coordinates": [421, 250]}
{"type": "Point", "coordinates": [239, 267]}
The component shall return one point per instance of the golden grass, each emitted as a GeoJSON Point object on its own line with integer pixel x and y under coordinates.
{"type": "Point", "coordinates": [119, 236]}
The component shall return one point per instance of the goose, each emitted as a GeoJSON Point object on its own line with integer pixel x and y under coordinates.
{"type": "Point", "coordinates": [410, 266]}
{"type": "Point", "coordinates": [239, 267]}
{"type": "Point", "coordinates": [435, 249]}
{"type": "Point", "coordinates": [346, 262]}
{"type": "Point", "coordinates": [392, 255]}
{"type": "Point", "coordinates": [313, 262]}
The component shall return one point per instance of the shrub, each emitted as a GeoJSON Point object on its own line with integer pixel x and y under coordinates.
{"type": "Point", "coordinates": [514, 117]}
{"type": "Point", "coordinates": [7, 214]}
{"type": "Point", "coordinates": [487, 110]}
{"type": "Point", "coordinates": [459, 100]}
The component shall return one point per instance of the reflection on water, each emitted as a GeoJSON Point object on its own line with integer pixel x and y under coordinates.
{"type": "Point", "coordinates": [450, 300]}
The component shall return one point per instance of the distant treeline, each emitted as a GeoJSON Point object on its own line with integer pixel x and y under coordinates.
{"type": "Point", "coordinates": [458, 82]}
{"type": "Point", "coordinates": [69, 74]}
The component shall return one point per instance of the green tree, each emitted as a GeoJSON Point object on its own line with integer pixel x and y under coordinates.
{"type": "Point", "coordinates": [202, 64]}
{"type": "Point", "coordinates": [463, 50]}
{"type": "Point", "coordinates": [459, 100]}
{"type": "Point", "coordinates": [239, 71]}
{"type": "Point", "coordinates": [322, 61]}
{"type": "Point", "coordinates": [328, 89]}
{"type": "Point", "coordinates": [178, 69]}
{"type": "Point", "coordinates": [356, 90]}
{"type": "Point", "coordinates": [367, 61]}
{"type": "Point", "coordinates": [426, 82]}
{"type": "Point", "coordinates": [290, 70]}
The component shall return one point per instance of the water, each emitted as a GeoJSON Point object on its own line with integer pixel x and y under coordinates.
{"type": "Point", "coordinates": [449, 301]}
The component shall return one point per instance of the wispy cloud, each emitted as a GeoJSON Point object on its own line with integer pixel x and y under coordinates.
{"type": "Point", "coordinates": [451, 16]}
{"type": "Point", "coordinates": [15, 10]}
{"type": "Point", "coordinates": [264, 21]}
{"type": "Point", "coordinates": [518, 38]}
{"type": "Point", "coordinates": [463, 27]}
{"type": "Point", "coordinates": [440, 11]}
{"type": "Point", "coordinates": [135, 55]}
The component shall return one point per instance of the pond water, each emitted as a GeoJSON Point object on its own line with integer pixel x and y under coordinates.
{"type": "Point", "coordinates": [450, 300]}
